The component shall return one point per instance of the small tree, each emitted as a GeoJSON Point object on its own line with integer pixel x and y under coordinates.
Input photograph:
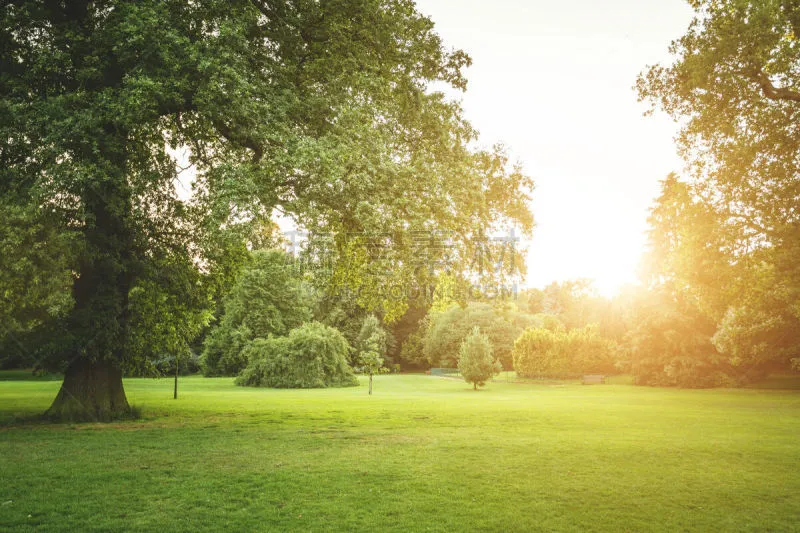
{"type": "Point", "coordinates": [475, 361]}
{"type": "Point", "coordinates": [371, 347]}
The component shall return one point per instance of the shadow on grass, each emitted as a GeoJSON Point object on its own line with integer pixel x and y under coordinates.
{"type": "Point", "coordinates": [28, 375]}
{"type": "Point", "coordinates": [12, 420]}
{"type": "Point", "coordinates": [778, 382]}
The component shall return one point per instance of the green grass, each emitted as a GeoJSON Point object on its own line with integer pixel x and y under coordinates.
{"type": "Point", "coordinates": [422, 454]}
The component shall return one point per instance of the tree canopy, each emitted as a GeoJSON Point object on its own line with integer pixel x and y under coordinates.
{"type": "Point", "coordinates": [729, 233]}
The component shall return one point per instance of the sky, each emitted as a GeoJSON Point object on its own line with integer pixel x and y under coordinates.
{"type": "Point", "coordinates": [552, 81]}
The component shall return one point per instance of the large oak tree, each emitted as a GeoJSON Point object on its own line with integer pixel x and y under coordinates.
{"type": "Point", "coordinates": [324, 110]}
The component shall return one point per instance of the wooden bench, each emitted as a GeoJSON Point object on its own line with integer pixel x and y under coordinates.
{"type": "Point", "coordinates": [593, 379]}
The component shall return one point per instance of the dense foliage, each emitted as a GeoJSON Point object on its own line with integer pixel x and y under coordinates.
{"type": "Point", "coordinates": [34, 283]}
{"type": "Point", "coordinates": [342, 312]}
{"type": "Point", "coordinates": [670, 345]}
{"type": "Point", "coordinates": [403, 336]}
{"type": "Point", "coordinates": [726, 238]}
{"type": "Point", "coordinates": [447, 330]}
{"type": "Point", "coordinates": [541, 352]}
{"type": "Point", "coordinates": [268, 299]}
{"type": "Point", "coordinates": [311, 356]}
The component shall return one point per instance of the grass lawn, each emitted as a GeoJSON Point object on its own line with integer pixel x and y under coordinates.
{"type": "Point", "coordinates": [422, 454]}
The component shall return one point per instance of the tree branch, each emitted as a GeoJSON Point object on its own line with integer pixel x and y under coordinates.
{"type": "Point", "coordinates": [277, 11]}
{"type": "Point", "coordinates": [240, 139]}
{"type": "Point", "coordinates": [775, 93]}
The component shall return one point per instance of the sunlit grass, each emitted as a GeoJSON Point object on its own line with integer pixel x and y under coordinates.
{"type": "Point", "coordinates": [421, 454]}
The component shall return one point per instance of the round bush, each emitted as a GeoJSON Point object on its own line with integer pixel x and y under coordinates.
{"type": "Point", "coordinates": [312, 356]}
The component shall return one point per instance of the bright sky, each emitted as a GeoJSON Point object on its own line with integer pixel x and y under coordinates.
{"type": "Point", "coordinates": [553, 82]}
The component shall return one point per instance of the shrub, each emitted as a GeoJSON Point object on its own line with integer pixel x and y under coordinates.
{"type": "Point", "coordinates": [312, 356]}
{"type": "Point", "coordinates": [540, 351]}
{"type": "Point", "coordinates": [268, 359]}
{"type": "Point", "coordinates": [588, 353]}
{"type": "Point", "coordinates": [536, 352]}
{"type": "Point", "coordinates": [475, 361]}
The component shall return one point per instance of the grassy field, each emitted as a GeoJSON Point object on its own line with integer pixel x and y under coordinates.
{"type": "Point", "coordinates": [422, 454]}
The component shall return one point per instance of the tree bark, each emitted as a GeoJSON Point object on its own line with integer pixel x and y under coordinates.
{"type": "Point", "coordinates": [91, 392]}
{"type": "Point", "coordinates": [370, 383]}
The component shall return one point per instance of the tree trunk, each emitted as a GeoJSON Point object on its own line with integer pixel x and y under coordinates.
{"type": "Point", "coordinates": [98, 324]}
{"type": "Point", "coordinates": [91, 392]}
{"type": "Point", "coordinates": [370, 383]}
{"type": "Point", "coordinates": [175, 393]}
{"type": "Point", "coordinates": [474, 386]}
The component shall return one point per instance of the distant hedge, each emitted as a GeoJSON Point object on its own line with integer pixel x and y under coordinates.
{"type": "Point", "coordinates": [540, 351]}
{"type": "Point", "coordinates": [312, 356]}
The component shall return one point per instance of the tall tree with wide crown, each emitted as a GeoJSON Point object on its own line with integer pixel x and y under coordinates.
{"type": "Point", "coordinates": [324, 110]}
